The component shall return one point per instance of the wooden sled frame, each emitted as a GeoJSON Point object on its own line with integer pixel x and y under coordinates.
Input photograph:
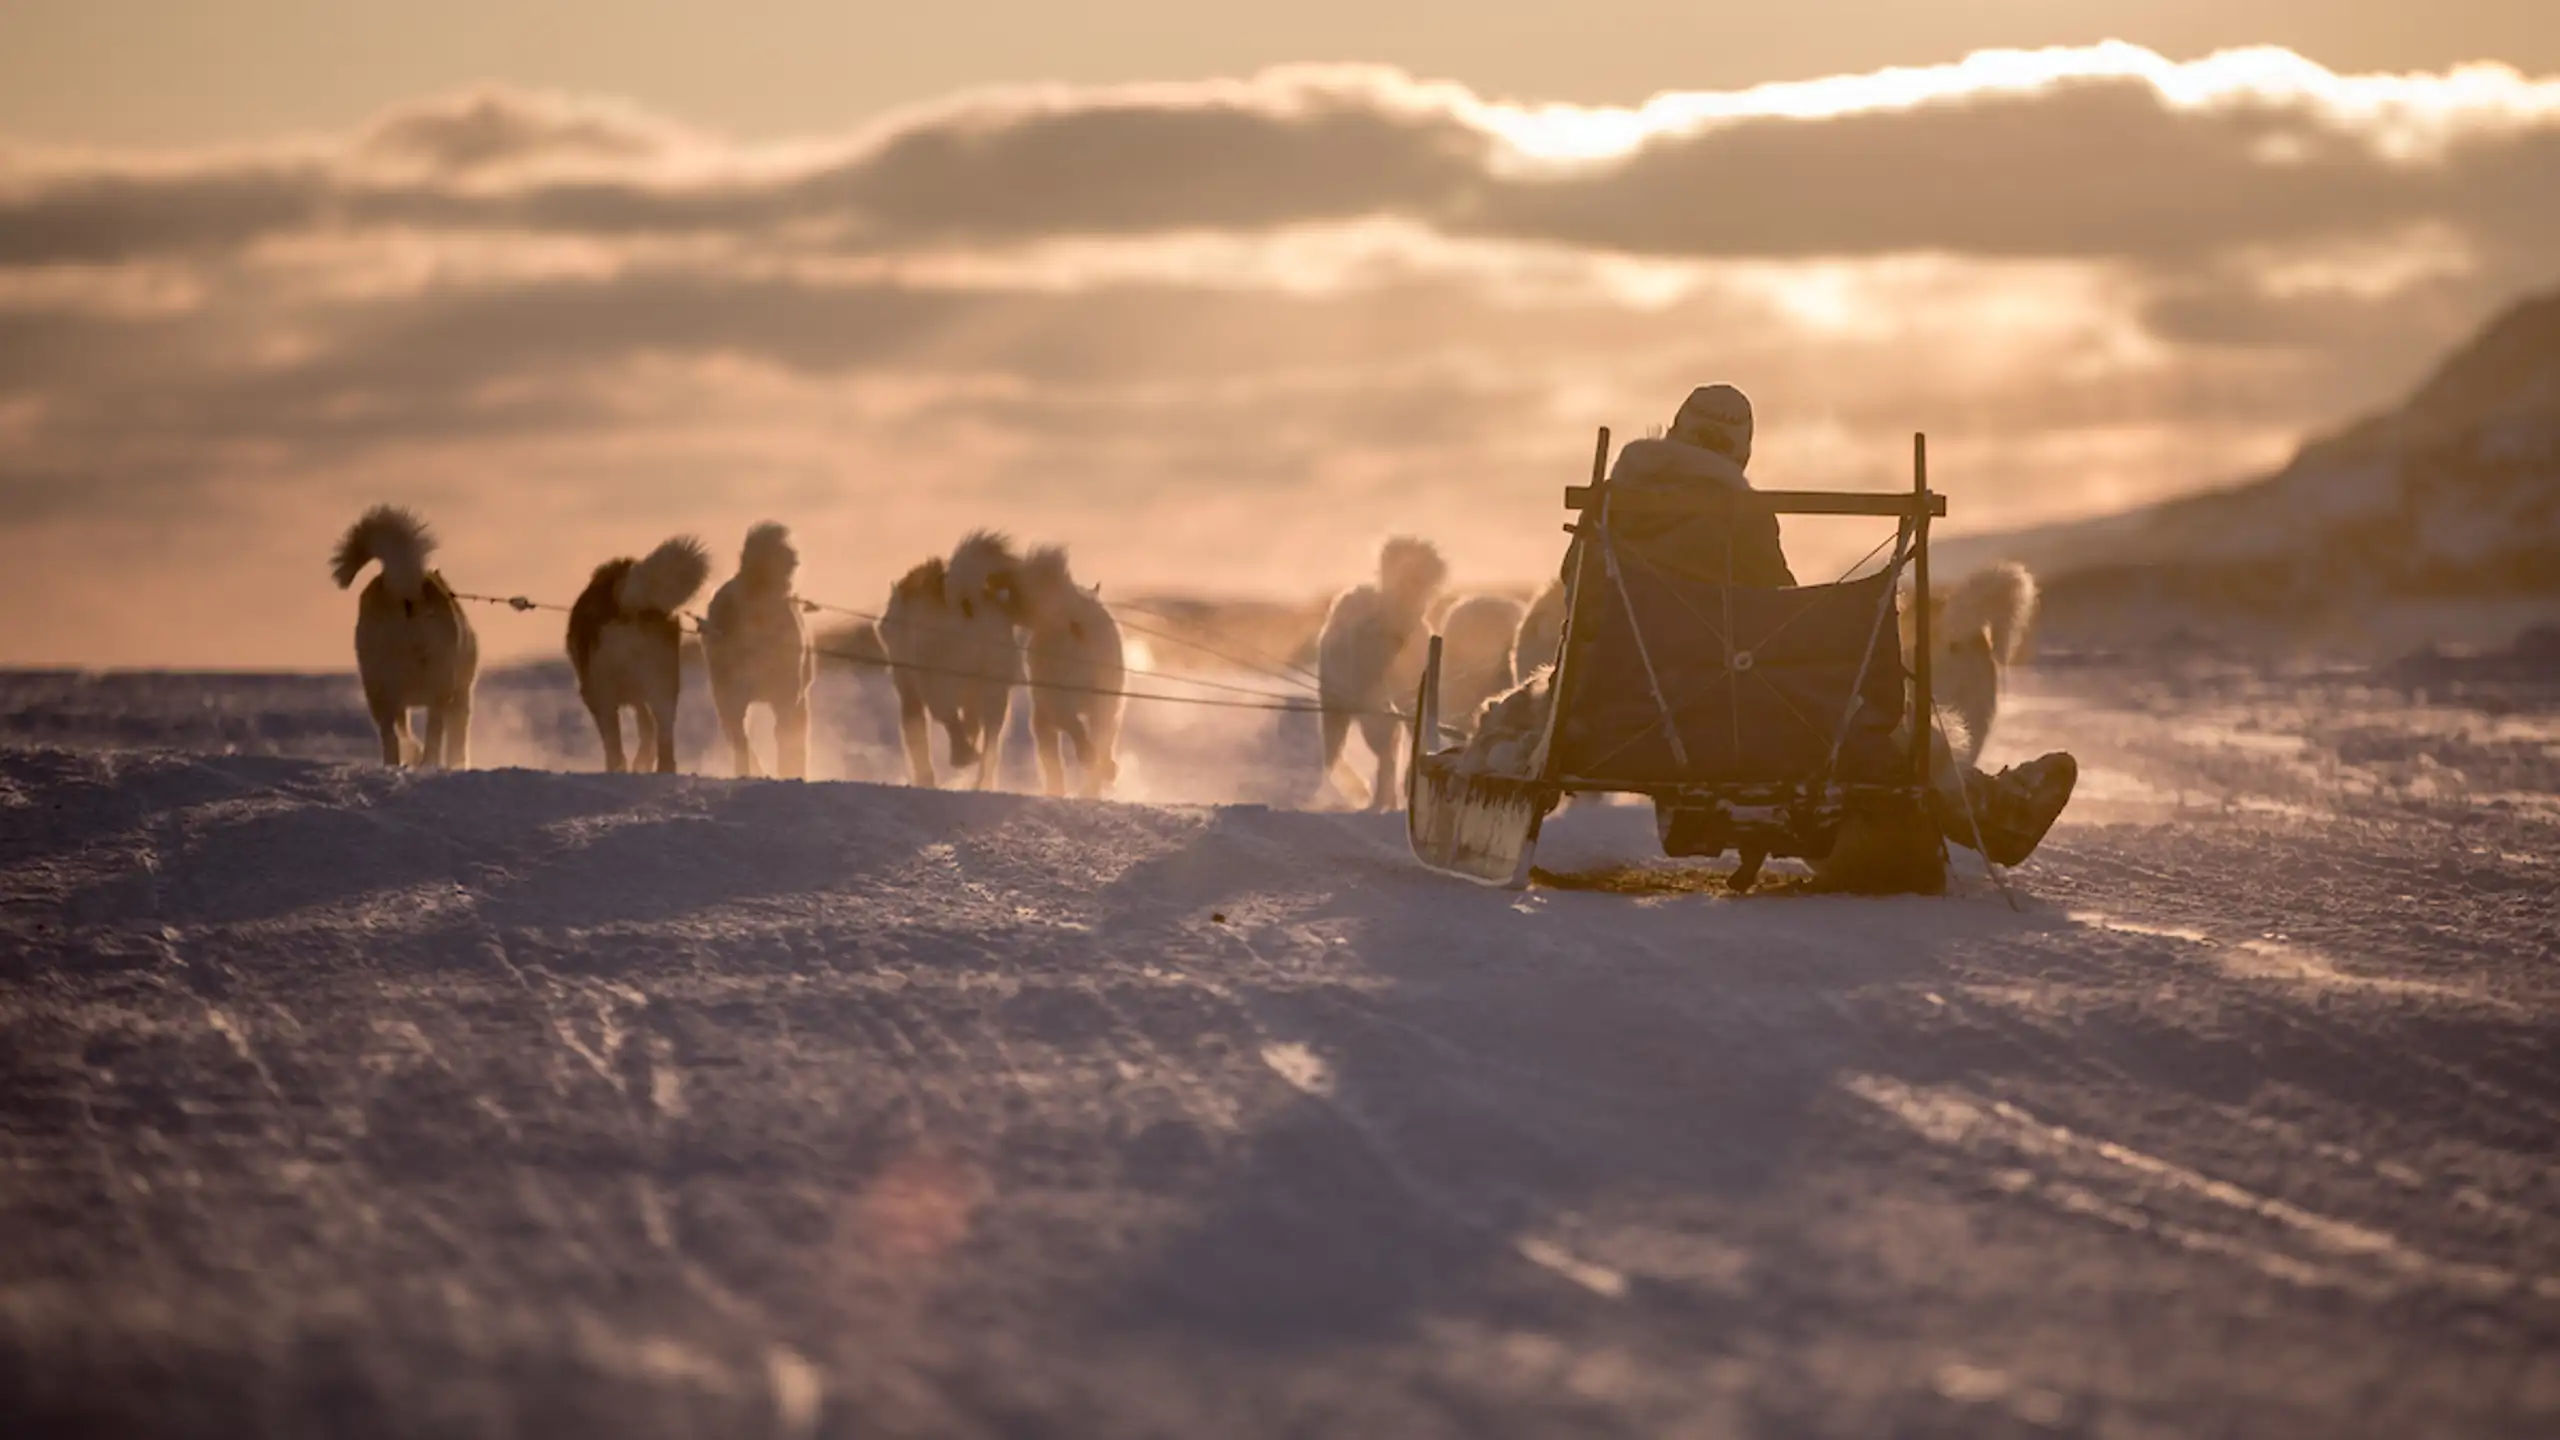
{"type": "Point", "coordinates": [1484, 827]}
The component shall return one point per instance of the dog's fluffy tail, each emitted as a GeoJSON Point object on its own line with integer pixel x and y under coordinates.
{"type": "Point", "coordinates": [667, 578]}
{"type": "Point", "coordinates": [767, 558]}
{"type": "Point", "coordinates": [392, 535]}
{"type": "Point", "coordinates": [1047, 566]}
{"type": "Point", "coordinates": [2002, 600]}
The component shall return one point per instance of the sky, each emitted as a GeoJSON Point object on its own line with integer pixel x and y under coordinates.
{"type": "Point", "coordinates": [1217, 300]}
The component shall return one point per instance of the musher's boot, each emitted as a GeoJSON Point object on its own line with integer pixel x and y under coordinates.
{"type": "Point", "coordinates": [2014, 808]}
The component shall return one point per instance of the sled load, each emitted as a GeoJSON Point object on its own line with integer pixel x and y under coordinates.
{"type": "Point", "coordinates": [1760, 717]}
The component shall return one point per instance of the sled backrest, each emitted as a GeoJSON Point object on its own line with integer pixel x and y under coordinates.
{"type": "Point", "coordinates": [1757, 684]}
{"type": "Point", "coordinates": [1669, 678]}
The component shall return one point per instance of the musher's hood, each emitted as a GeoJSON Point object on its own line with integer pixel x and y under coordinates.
{"type": "Point", "coordinates": [1718, 418]}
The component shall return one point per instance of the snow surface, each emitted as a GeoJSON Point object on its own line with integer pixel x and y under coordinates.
{"type": "Point", "coordinates": [336, 1101]}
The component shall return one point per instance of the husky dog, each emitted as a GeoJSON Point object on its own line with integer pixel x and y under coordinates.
{"type": "Point", "coordinates": [954, 659]}
{"type": "Point", "coordinates": [626, 647]}
{"type": "Point", "coordinates": [1975, 631]}
{"type": "Point", "coordinates": [756, 646]}
{"type": "Point", "coordinates": [1369, 660]}
{"type": "Point", "coordinates": [1077, 663]}
{"type": "Point", "coordinates": [1476, 656]}
{"type": "Point", "coordinates": [1541, 637]}
{"type": "Point", "coordinates": [414, 646]}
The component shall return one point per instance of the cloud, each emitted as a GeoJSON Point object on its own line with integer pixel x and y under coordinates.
{"type": "Point", "coordinates": [497, 133]}
{"type": "Point", "coordinates": [2104, 151]}
{"type": "Point", "coordinates": [1268, 316]}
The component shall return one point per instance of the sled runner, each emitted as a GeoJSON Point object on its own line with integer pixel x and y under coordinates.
{"type": "Point", "coordinates": [1757, 719]}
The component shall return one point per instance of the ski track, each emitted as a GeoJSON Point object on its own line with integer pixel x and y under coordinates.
{"type": "Point", "coordinates": [337, 1101]}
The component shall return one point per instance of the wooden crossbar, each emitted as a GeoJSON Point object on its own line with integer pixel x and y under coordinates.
{"type": "Point", "coordinates": [1903, 505]}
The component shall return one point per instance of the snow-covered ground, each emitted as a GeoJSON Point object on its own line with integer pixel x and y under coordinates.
{"type": "Point", "coordinates": [337, 1102]}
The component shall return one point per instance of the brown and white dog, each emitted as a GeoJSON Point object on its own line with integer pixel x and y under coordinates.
{"type": "Point", "coordinates": [414, 646]}
{"type": "Point", "coordinates": [627, 649]}
{"type": "Point", "coordinates": [1076, 661]}
{"type": "Point", "coordinates": [954, 660]}
{"type": "Point", "coordinates": [756, 646]}
{"type": "Point", "coordinates": [1369, 661]}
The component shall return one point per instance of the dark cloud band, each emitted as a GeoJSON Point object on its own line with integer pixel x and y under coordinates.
{"type": "Point", "coordinates": [2084, 166]}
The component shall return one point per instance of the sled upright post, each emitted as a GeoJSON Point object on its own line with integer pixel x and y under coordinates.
{"type": "Point", "coordinates": [1797, 708]}
{"type": "Point", "coordinates": [1924, 704]}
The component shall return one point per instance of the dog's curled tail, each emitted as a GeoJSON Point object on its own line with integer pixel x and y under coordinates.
{"type": "Point", "coordinates": [2001, 600]}
{"type": "Point", "coordinates": [392, 535]}
{"type": "Point", "coordinates": [667, 578]}
{"type": "Point", "coordinates": [767, 557]}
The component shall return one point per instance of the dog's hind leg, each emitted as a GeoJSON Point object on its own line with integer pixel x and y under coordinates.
{"type": "Point", "coordinates": [644, 740]}
{"type": "Point", "coordinates": [733, 724]}
{"type": "Point", "coordinates": [432, 756]}
{"type": "Point", "coordinates": [457, 732]}
{"type": "Point", "coordinates": [1380, 731]}
{"type": "Point", "coordinates": [991, 742]}
{"type": "Point", "coordinates": [1337, 730]}
{"type": "Point", "coordinates": [1097, 750]}
{"type": "Point", "coordinates": [657, 739]}
{"type": "Point", "coordinates": [1046, 737]}
{"type": "Point", "coordinates": [609, 729]}
{"type": "Point", "coordinates": [791, 738]}
{"type": "Point", "coordinates": [960, 734]}
{"type": "Point", "coordinates": [915, 733]}
{"type": "Point", "coordinates": [393, 723]}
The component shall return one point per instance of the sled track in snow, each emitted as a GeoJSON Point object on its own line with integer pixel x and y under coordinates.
{"type": "Point", "coordinates": [338, 1101]}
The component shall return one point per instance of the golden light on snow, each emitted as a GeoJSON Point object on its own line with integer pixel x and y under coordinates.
{"type": "Point", "coordinates": [915, 1209]}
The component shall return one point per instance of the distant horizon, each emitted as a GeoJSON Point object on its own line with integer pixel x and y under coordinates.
{"type": "Point", "coordinates": [1216, 335]}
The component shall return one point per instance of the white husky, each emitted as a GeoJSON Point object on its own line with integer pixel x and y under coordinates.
{"type": "Point", "coordinates": [1369, 660]}
{"type": "Point", "coordinates": [1975, 630]}
{"type": "Point", "coordinates": [1076, 660]}
{"type": "Point", "coordinates": [627, 649]}
{"type": "Point", "coordinates": [414, 646]}
{"type": "Point", "coordinates": [954, 659]}
{"type": "Point", "coordinates": [756, 646]}
{"type": "Point", "coordinates": [1476, 656]}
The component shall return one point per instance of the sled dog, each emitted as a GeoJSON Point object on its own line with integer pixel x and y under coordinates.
{"type": "Point", "coordinates": [755, 644]}
{"type": "Point", "coordinates": [1477, 656]}
{"type": "Point", "coordinates": [626, 647]}
{"type": "Point", "coordinates": [1975, 631]}
{"type": "Point", "coordinates": [1075, 658]}
{"type": "Point", "coordinates": [1369, 660]}
{"type": "Point", "coordinates": [414, 646]}
{"type": "Point", "coordinates": [954, 660]}
{"type": "Point", "coordinates": [1541, 636]}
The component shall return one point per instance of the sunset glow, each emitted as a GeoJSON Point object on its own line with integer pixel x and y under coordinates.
{"type": "Point", "coordinates": [1309, 304]}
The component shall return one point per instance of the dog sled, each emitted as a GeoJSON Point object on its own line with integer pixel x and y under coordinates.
{"type": "Point", "coordinates": [1758, 720]}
